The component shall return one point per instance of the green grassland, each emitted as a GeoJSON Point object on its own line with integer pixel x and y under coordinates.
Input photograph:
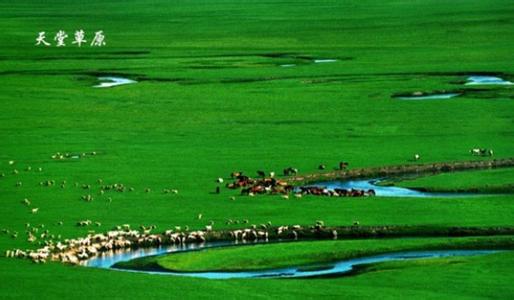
{"type": "Point", "coordinates": [212, 99]}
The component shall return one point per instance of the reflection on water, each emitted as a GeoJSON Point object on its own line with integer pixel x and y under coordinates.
{"type": "Point", "coordinates": [108, 259]}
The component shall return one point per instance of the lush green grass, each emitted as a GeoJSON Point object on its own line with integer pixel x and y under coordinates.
{"type": "Point", "coordinates": [484, 277]}
{"type": "Point", "coordinates": [489, 181]}
{"type": "Point", "coordinates": [210, 101]}
{"type": "Point", "coordinates": [255, 257]}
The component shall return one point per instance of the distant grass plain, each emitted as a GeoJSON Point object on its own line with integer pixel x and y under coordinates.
{"type": "Point", "coordinates": [212, 98]}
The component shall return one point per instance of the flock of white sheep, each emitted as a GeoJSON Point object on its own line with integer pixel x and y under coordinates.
{"type": "Point", "coordinates": [74, 251]}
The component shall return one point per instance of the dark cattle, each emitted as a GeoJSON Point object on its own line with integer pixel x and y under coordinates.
{"type": "Point", "coordinates": [356, 193]}
{"type": "Point", "coordinates": [486, 152]}
{"type": "Point", "coordinates": [258, 189]}
{"type": "Point", "coordinates": [288, 188]}
{"type": "Point", "coordinates": [261, 174]}
{"type": "Point", "coordinates": [343, 165]}
{"type": "Point", "coordinates": [321, 167]}
{"type": "Point", "coordinates": [341, 192]}
{"type": "Point", "coordinates": [290, 171]}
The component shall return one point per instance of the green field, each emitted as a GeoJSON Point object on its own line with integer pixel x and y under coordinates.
{"type": "Point", "coordinates": [212, 98]}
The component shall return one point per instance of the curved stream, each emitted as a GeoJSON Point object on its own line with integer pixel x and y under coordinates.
{"type": "Point", "coordinates": [384, 191]}
{"type": "Point", "coordinates": [319, 270]}
{"type": "Point", "coordinates": [108, 260]}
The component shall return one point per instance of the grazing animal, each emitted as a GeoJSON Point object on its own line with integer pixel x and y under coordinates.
{"type": "Point", "coordinates": [290, 171]}
{"type": "Point", "coordinates": [343, 165]}
{"type": "Point", "coordinates": [481, 152]}
{"type": "Point", "coordinates": [219, 180]}
{"type": "Point", "coordinates": [236, 174]}
{"type": "Point", "coordinates": [271, 174]}
{"type": "Point", "coordinates": [475, 151]}
{"type": "Point", "coordinates": [416, 156]}
{"type": "Point", "coordinates": [199, 216]}
{"type": "Point", "coordinates": [486, 152]}
{"type": "Point", "coordinates": [35, 210]}
{"type": "Point", "coordinates": [322, 167]}
{"type": "Point", "coordinates": [261, 174]}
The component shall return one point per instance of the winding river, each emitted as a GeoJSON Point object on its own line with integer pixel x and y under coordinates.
{"type": "Point", "coordinates": [109, 259]}
{"type": "Point", "coordinates": [385, 191]}
{"type": "Point", "coordinates": [342, 267]}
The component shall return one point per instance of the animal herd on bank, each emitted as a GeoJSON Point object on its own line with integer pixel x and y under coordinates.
{"type": "Point", "coordinates": [267, 183]}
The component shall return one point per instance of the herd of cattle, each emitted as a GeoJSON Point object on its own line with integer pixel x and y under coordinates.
{"type": "Point", "coordinates": [268, 184]}
{"type": "Point", "coordinates": [337, 192]}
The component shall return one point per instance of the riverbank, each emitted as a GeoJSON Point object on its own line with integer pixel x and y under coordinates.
{"type": "Point", "coordinates": [402, 170]}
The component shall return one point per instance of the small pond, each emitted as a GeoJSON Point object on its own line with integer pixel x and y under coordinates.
{"type": "Point", "coordinates": [109, 81]}
{"type": "Point", "coordinates": [487, 80]}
